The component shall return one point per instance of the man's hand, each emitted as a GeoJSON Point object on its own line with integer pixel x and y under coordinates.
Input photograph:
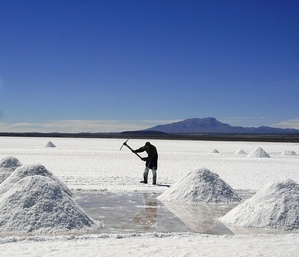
{"type": "Point", "coordinates": [144, 159]}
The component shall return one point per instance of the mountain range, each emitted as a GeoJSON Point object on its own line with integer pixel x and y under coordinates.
{"type": "Point", "coordinates": [211, 125]}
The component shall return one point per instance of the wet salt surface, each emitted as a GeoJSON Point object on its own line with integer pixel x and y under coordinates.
{"type": "Point", "coordinates": [129, 213]}
{"type": "Point", "coordinates": [142, 212]}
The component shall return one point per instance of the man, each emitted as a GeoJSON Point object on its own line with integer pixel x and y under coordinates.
{"type": "Point", "coordinates": [151, 161]}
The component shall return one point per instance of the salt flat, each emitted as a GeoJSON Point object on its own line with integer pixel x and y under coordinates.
{"type": "Point", "coordinates": [85, 165]}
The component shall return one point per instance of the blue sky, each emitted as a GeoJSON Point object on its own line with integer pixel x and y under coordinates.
{"type": "Point", "coordinates": [108, 66]}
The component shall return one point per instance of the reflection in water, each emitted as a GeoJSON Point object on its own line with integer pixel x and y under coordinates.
{"type": "Point", "coordinates": [201, 217]}
{"type": "Point", "coordinates": [148, 216]}
{"type": "Point", "coordinates": [139, 212]}
{"type": "Point", "coordinates": [136, 212]}
{"type": "Point", "coordinates": [129, 212]}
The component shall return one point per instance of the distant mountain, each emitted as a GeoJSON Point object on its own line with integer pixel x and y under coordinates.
{"type": "Point", "coordinates": [211, 125]}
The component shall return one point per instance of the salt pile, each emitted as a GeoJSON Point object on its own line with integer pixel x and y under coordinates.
{"type": "Point", "coordinates": [27, 171]}
{"type": "Point", "coordinates": [200, 185]}
{"type": "Point", "coordinates": [240, 152]}
{"type": "Point", "coordinates": [259, 153]}
{"type": "Point", "coordinates": [276, 207]}
{"type": "Point", "coordinates": [50, 144]}
{"type": "Point", "coordinates": [289, 153]}
{"type": "Point", "coordinates": [7, 166]}
{"type": "Point", "coordinates": [38, 204]}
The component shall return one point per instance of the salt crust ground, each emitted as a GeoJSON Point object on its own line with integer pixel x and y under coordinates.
{"type": "Point", "coordinates": [97, 165]}
{"type": "Point", "coordinates": [165, 245]}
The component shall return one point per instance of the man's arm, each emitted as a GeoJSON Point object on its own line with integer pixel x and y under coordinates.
{"type": "Point", "coordinates": [139, 150]}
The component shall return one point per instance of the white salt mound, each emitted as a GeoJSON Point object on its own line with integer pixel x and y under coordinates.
{"type": "Point", "coordinates": [259, 153]}
{"type": "Point", "coordinates": [27, 171]}
{"type": "Point", "coordinates": [37, 204]}
{"type": "Point", "coordinates": [200, 185]}
{"type": "Point", "coordinates": [214, 151]}
{"type": "Point", "coordinates": [289, 153]}
{"type": "Point", "coordinates": [7, 166]}
{"type": "Point", "coordinates": [50, 144]}
{"type": "Point", "coordinates": [240, 152]}
{"type": "Point", "coordinates": [276, 206]}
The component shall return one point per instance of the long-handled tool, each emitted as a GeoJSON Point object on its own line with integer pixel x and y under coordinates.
{"type": "Point", "coordinates": [125, 143]}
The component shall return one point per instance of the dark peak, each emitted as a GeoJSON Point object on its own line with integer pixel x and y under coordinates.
{"type": "Point", "coordinates": [207, 119]}
{"type": "Point", "coordinates": [193, 125]}
{"type": "Point", "coordinates": [203, 121]}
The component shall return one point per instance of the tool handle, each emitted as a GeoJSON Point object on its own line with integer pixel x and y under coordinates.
{"type": "Point", "coordinates": [132, 150]}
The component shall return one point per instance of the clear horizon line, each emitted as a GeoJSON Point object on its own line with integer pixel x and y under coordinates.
{"type": "Point", "coordinates": [114, 126]}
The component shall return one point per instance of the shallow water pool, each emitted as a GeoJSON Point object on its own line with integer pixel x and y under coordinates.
{"type": "Point", "coordinates": [143, 212]}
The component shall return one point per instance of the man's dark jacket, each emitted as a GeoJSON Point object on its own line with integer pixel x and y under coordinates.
{"type": "Point", "coordinates": [151, 161]}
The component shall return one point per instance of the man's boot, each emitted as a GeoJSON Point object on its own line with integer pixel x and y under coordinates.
{"type": "Point", "coordinates": [144, 179]}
